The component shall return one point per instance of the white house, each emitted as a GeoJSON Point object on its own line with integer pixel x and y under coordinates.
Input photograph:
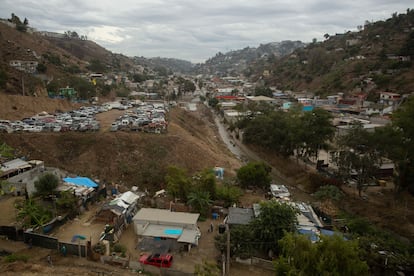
{"type": "Point", "coordinates": [165, 224]}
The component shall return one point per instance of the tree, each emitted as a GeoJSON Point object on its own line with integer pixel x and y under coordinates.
{"type": "Point", "coordinates": [263, 91]}
{"type": "Point", "coordinates": [186, 85]}
{"type": "Point", "coordinates": [207, 269]}
{"type": "Point", "coordinates": [331, 256]}
{"type": "Point", "coordinates": [74, 35]}
{"type": "Point", "coordinates": [357, 157]}
{"type": "Point", "coordinates": [6, 151]}
{"type": "Point", "coordinates": [213, 102]}
{"type": "Point", "coordinates": [41, 68]}
{"type": "Point", "coordinates": [84, 88]}
{"type": "Point", "coordinates": [242, 241]}
{"type": "Point", "coordinates": [397, 143]}
{"type": "Point", "coordinates": [206, 181]}
{"type": "Point", "coordinates": [46, 184]}
{"type": "Point", "coordinates": [95, 65]}
{"type": "Point", "coordinates": [67, 201]}
{"type": "Point", "coordinates": [139, 77]}
{"type": "Point", "coordinates": [408, 47]}
{"type": "Point", "coordinates": [199, 200]}
{"type": "Point", "coordinates": [315, 129]}
{"type": "Point", "coordinates": [178, 184]}
{"type": "Point", "coordinates": [20, 26]}
{"type": "Point", "coordinates": [32, 214]}
{"type": "Point", "coordinates": [255, 174]}
{"type": "Point", "coordinates": [228, 193]}
{"type": "Point", "coordinates": [329, 192]}
{"type": "Point", "coordinates": [272, 130]}
{"type": "Point", "coordinates": [275, 219]}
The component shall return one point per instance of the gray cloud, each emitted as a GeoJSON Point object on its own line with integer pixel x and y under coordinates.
{"type": "Point", "coordinates": [197, 30]}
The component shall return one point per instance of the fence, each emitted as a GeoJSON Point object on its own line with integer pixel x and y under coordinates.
{"type": "Point", "coordinates": [266, 264]}
{"type": "Point", "coordinates": [40, 240]}
{"type": "Point", "coordinates": [12, 233]}
{"type": "Point", "coordinates": [48, 242]}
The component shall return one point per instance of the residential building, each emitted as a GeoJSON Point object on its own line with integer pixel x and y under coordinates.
{"type": "Point", "coordinates": [178, 227]}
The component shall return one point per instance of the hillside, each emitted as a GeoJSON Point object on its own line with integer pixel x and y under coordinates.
{"type": "Point", "coordinates": [165, 65]}
{"type": "Point", "coordinates": [122, 157]}
{"type": "Point", "coordinates": [378, 57]}
{"type": "Point", "coordinates": [49, 56]}
{"type": "Point", "coordinates": [237, 61]}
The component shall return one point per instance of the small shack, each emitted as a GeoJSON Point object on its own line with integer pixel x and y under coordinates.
{"type": "Point", "coordinates": [119, 211]}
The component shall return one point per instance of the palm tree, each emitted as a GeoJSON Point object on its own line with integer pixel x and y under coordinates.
{"type": "Point", "coordinates": [199, 200]}
{"type": "Point", "coordinates": [32, 214]}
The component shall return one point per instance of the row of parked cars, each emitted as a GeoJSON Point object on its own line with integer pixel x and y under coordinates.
{"type": "Point", "coordinates": [82, 119]}
{"type": "Point", "coordinates": [147, 117]}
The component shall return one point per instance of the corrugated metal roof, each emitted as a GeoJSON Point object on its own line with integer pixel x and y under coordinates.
{"type": "Point", "coordinates": [14, 165]}
{"type": "Point", "coordinates": [189, 236]}
{"type": "Point", "coordinates": [163, 216]}
{"type": "Point", "coordinates": [129, 197]}
{"type": "Point", "coordinates": [172, 232]}
{"type": "Point", "coordinates": [240, 215]}
{"type": "Point", "coordinates": [154, 230]}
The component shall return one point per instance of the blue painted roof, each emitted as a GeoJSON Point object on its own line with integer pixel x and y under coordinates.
{"type": "Point", "coordinates": [81, 181]}
{"type": "Point", "coordinates": [173, 231]}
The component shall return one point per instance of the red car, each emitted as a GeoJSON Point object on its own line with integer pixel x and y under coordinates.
{"type": "Point", "coordinates": [157, 260]}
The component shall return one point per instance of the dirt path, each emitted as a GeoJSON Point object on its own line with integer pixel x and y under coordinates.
{"type": "Point", "coordinates": [107, 118]}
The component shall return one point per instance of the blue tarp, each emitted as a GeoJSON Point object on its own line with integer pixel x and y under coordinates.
{"type": "Point", "coordinates": [331, 233]}
{"type": "Point", "coordinates": [81, 181]}
{"type": "Point", "coordinates": [310, 234]}
{"type": "Point", "coordinates": [78, 237]}
{"type": "Point", "coordinates": [307, 108]}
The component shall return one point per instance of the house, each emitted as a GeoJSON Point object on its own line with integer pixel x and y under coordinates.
{"type": "Point", "coordinates": [119, 211]}
{"type": "Point", "coordinates": [233, 116]}
{"type": "Point", "coordinates": [24, 182]}
{"type": "Point", "coordinates": [28, 66]}
{"type": "Point", "coordinates": [13, 167]}
{"type": "Point", "coordinates": [262, 99]}
{"type": "Point", "coordinates": [85, 188]}
{"type": "Point", "coordinates": [389, 98]}
{"type": "Point", "coordinates": [305, 101]}
{"type": "Point", "coordinates": [279, 191]}
{"type": "Point", "coordinates": [224, 91]}
{"type": "Point", "coordinates": [177, 227]}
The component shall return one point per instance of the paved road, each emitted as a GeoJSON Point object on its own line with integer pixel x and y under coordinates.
{"type": "Point", "coordinates": [245, 154]}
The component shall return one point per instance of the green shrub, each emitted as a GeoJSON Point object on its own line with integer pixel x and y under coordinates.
{"type": "Point", "coordinates": [16, 257]}
{"type": "Point", "coordinates": [119, 248]}
{"type": "Point", "coordinates": [329, 192]}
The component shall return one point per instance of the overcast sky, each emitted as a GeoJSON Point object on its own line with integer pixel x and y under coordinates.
{"type": "Point", "coordinates": [196, 30]}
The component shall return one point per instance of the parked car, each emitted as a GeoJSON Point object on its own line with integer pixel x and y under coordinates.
{"type": "Point", "coordinates": [159, 260]}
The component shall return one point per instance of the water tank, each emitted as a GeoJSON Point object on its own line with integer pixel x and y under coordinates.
{"type": "Point", "coordinates": [222, 228]}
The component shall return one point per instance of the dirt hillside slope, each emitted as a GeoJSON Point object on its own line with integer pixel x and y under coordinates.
{"type": "Point", "coordinates": [121, 157]}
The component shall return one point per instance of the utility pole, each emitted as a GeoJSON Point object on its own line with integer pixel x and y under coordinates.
{"type": "Point", "coordinates": [228, 251]}
{"type": "Point", "coordinates": [22, 84]}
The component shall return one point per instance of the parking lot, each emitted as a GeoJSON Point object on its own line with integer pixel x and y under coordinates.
{"type": "Point", "coordinates": [145, 117]}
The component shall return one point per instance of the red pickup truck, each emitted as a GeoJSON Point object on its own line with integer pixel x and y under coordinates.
{"type": "Point", "coordinates": [159, 260]}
